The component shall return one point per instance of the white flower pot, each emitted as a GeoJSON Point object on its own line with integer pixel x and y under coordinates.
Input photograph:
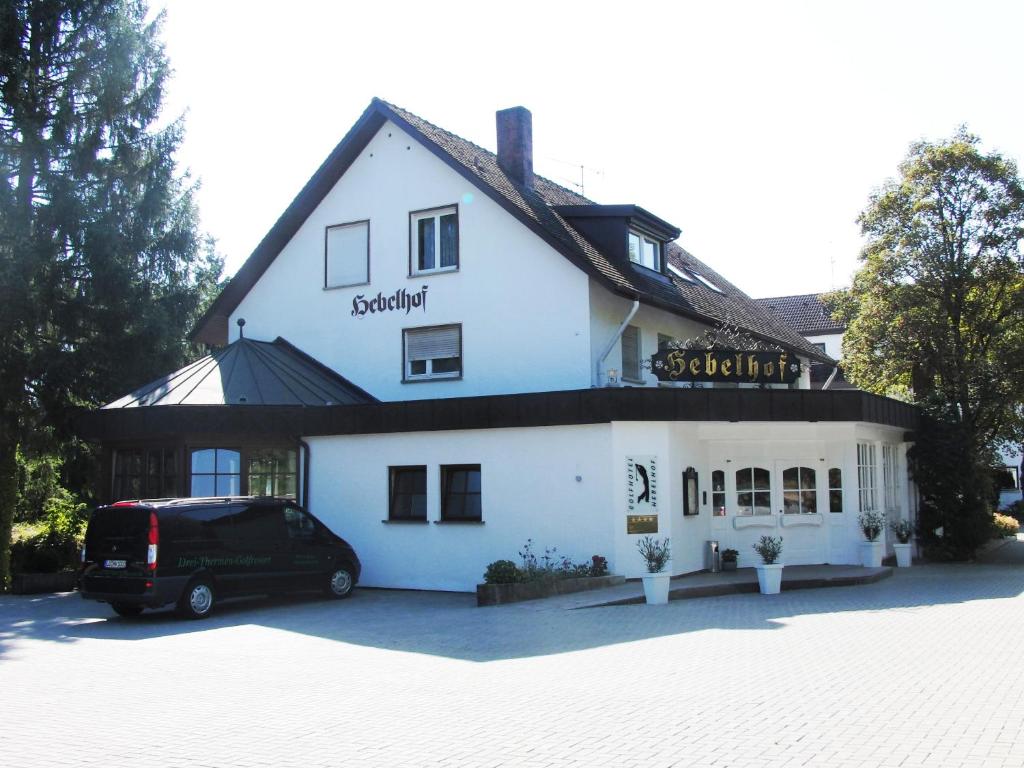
{"type": "Point", "coordinates": [769, 578]}
{"type": "Point", "coordinates": [656, 588]}
{"type": "Point", "coordinates": [903, 552]}
{"type": "Point", "coordinates": [871, 554]}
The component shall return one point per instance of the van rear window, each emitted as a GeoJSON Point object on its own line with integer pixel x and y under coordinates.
{"type": "Point", "coordinates": [117, 523]}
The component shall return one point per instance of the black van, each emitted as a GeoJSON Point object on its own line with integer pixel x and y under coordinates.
{"type": "Point", "coordinates": [192, 552]}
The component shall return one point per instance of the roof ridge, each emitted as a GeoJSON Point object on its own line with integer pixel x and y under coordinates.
{"type": "Point", "coordinates": [405, 112]}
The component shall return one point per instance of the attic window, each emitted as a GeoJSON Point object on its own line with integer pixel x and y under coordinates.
{"type": "Point", "coordinates": [347, 255]}
{"type": "Point", "coordinates": [644, 250]}
{"type": "Point", "coordinates": [680, 273]}
{"type": "Point", "coordinates": [706, 282]}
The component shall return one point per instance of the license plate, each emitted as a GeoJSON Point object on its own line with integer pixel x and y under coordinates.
{"type": "Point", "coordinates": [115, 563]}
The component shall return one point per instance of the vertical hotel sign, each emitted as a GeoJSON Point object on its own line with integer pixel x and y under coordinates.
{"type": "Point", "coordinates": [641, 494]}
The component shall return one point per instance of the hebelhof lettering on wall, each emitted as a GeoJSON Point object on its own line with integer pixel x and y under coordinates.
{"type": "Point", "coordinates": [397, 301]}
{"type": "Point", "coordinates": [725, 365]}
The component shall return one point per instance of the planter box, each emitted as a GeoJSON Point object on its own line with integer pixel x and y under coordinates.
{"type": "Point", "coordinates": [656, 588]}
{"type": "Point", "coordinates": [499, 594]}
{"type": "Point", "coordinates": [871, 554]}
{"type": "Point", "coordinates": [728, 565]}
{"type": "Point", "coordinates": [769, 578]}
{"type": "Point", "coordinates": [902, 554]}
{"type": "Point", "coordinates": [39, 583]}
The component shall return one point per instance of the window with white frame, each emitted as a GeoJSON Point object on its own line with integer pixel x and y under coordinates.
{"type": "Point", "coordinates": [890, 486]}
{"type": "Point", "coordinates": [644, 250]}
{"type": "Point", "coordinates": [434, 240]}
{"type": "Point", "coordinates": [753, 491]}
{"type": "Point", "coordinates": [867, 477]}
{"type": "Point", "coordinates": [347, 254]}
{"type": "Point", "coordinates": [835, 490]}
{"type": "Point", "coordinates": [631, 354]}
{"type": "Point", "coordinates": [432, 353]}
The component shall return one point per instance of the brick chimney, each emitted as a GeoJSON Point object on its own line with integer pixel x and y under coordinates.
{"type": "Point", "coordinates": [515, 144]}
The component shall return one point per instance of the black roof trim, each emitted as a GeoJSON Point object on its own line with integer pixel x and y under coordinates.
{"type": "Point", "coordinates": [572, 407]}
{"type": "Point", "coordinates": [637, 215]}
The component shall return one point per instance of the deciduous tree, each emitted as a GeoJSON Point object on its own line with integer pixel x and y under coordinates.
{"type": "Point", "coordinates": [936, 315]}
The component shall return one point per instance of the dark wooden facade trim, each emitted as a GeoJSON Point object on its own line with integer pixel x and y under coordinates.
{"type": "Point", "coordinates": [587, 406]}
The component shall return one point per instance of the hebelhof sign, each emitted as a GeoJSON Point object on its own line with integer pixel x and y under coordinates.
{"type": "Point", "coordinates": [725, 365]}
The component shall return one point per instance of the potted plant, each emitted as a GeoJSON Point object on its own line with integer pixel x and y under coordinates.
{"type": "Point", "coordinates": [729, 557]}
{"type": "Point", "coordinates": [871, 524]}
{"type": "Point", "coordinates": [902, 530]}
{"type": "Point", "coordinates": [769, 572]}
{"type": "Point", "coordinates": [656, 554]}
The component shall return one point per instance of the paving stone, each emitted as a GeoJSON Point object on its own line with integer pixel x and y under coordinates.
{"type": "Point", "coordinates": [920, 669]}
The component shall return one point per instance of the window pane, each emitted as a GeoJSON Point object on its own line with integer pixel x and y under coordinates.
{"type": "Point", "coordinates": [203, 485]}
{"type": "Point", "coordinates": [789, 479]}
{"type": "Point", "coordinates": [718, 481]}
{"type": "Point", "coordinates": [228, 485]}
{"type": "Point", "coordinates": [791, 502]}
{"type": "Point", "coordinates": [228, 461]}
{"type": "Point", "coordinates": [743, 480]}
{"type": "Point", "coordinates": [835, 501]}
{"type": "Point", "coordinates": [809, 502]}
{"type": "Point", "coordinates": [634, 247]}
{"type": "Point", "coordinates": [745, 503]}
{"type": "Point", "coordinates": [762, 479]}
{"type": "Point", "coordinates": [449, 240]}
{"type": "Point", "coordinates": [762, 503]}
{"type": "Point", "coordinates": [631, 353]}
{"type": "Point", "coordinates": [204, 461]}
{"type": "Point", "coordinates": [650, 254]}
{"type": "Point", "coordinates": [426, 243]}
{"type": "Point", "coordinates": [835, 478]}
{"type": "Point", "coordinates": [807, 478]}
{"type": "Point", "coordinates": [347, 255]}
{"type": "Point", "coordinates": [417, 367]}
{"type": "Point", "coordinates": [445, 365]}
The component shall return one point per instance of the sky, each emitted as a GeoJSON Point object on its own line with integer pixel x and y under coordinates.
{"type": "Point", "coordinates": [760, 129]}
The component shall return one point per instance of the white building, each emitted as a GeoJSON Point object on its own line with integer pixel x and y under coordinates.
{"type": "Point", "coordinates": [444, 355]}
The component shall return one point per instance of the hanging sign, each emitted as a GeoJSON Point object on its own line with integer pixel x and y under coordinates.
{"type": "Point", "coordinates": [725, 365]}
{"type": "Point", "coordinates": [641, 494]}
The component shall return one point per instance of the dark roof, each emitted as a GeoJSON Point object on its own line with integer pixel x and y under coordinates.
{"type": "Point", "coordinates": [537, 409]}
{"type": "Point", "coordinates": [806, 313]}
{"type": "Point", "coordinates": [248, 372]}
{"type": "Point", "coordinates": [535, 208]}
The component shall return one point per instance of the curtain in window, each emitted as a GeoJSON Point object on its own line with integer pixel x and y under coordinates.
{"type": "Point", "coordinates": [449, 240]}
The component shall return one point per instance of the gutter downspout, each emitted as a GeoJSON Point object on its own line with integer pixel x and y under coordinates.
{"type": "Point", "coordinates": [611, 343]}
{"type": "Point", "coordinates": [831, 377]}
{"type": "Point", "coordinates": [305, 474]}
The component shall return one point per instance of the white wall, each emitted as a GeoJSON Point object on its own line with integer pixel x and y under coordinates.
{"type": "Point", "coordinates": [523, 307]}
{"type": "Point", "coordinates": [833, 343]}
{"type": "Point", "coordinates": [529, 490]}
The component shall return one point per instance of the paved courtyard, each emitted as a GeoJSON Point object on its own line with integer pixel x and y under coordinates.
{"type": "Point", "coordinates": [922, 669]}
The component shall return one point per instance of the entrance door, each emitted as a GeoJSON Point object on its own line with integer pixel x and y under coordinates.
{"type": "Point", "coordinates": [801, 498]}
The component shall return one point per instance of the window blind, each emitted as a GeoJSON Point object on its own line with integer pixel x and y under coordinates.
{"type": "Point", "coordinates": [347, 261]}
{"type": "Point", "coordinates": [432, 343]}
{"type": "Point", "coordinates": [631, 352]}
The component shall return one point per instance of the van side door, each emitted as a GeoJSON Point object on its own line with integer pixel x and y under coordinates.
{"type": "Point", "coordinates": [201, 541]}
{"type": "Point", "coordinates": [260, 552]}
{"type": "Point", "coordinates": [309, 548]}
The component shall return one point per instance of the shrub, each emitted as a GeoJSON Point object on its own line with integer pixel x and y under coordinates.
{"type": "Point", "coordinates": [1016, 510]}
{"type": "Point", "coordinates": [598, 566]}
{"type": "Point", "coordinates": [872, 524]}
{"type": "Point", "coordinates": [655, 552]}
{"type": "Point", "coordinates": [502, 572]}
{"type": "Point", "coordinates": [769, 548]}
{"type": "Point", "coordinates": [1004, 525]}
{"type": "Point", "coordinates": [57, 545]}
{"type": "Point", "coordinates": [729, 555]}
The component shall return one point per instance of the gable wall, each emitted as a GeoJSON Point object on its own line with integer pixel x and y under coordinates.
{"type": "Point", "coordinates": [523, 307]}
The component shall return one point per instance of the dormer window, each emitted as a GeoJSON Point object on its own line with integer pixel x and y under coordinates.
{"type": "Point", "coordinates": [644, 250]}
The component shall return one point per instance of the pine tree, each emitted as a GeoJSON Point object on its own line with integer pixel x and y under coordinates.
{"type": "Point", "coordinates": [102, 265]}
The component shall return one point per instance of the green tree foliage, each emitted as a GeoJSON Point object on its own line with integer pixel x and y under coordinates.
{"type": "Point", "coordinates": [936, 315]}
{"type": "Point", "coordinates": [101, 262]}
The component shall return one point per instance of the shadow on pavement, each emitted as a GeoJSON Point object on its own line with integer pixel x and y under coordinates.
{"type": "Point", "coordinates": [450, 624]}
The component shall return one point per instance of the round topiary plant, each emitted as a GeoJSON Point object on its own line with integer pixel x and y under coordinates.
{"type": "Point", "coordinates": [502, 572]}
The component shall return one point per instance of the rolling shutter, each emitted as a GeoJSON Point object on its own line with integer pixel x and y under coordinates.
{"type": "Point", "coordinates": [433, 343]}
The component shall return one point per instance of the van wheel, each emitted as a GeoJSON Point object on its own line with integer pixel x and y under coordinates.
{"type": "Point", "coordinates": [340, 583]}
{"type": "Point", "coordinates": [128, 610]}
{"type": "Point", "coordinates": [197, 600]}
